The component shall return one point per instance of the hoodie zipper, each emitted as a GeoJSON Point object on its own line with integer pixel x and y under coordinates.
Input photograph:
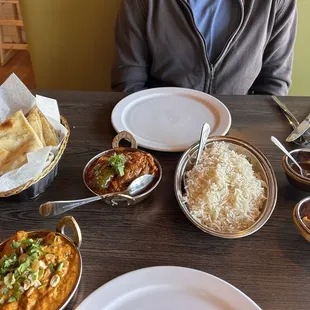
{"type": "Point", "coordinates": [211, 67]}
{"type": "Point", "coordinates": [211, 79]}
{"type": "Point", "coordinates": [226, 47]}
{"type": "Point", "coordinates": [207, 64]}
{"type": "Point", "coordinates": [228, 42]}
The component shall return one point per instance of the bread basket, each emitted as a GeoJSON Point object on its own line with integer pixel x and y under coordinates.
{"type": "Point", "coordinates": [39, 184]}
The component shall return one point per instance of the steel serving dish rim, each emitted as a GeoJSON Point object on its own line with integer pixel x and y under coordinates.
{"type": "Point", "coordinates": [272, 189]}
{"type": "Point", "coordinates": [291, 171]}
{"type": "Point", "coordinates": [298, 215]}
{"type": "Point", "coordinates": [44, 232]}
{"type": "Point", "coordinates": [137, 197]}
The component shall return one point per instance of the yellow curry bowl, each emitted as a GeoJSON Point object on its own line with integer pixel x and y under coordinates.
{"type": "Point", "coordinates": [302, 156]}
{"type": "Point", "coordinates": [301, 217]}
{"type": "Point", "coordinates": [40, 269]}
{"type": "Point", "coordinates": [119, 199]}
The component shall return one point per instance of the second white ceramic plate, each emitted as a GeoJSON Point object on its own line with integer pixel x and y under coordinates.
{"type": "Point", "coordinates": [167, 288]}
{"type": "Point", "coordinates": [170, 119]}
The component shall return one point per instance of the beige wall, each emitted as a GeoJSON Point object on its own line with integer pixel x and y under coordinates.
{"type": "Point", "coordinates": [301, 69]}
{"type": "Point", "coordinates": [71, 42]}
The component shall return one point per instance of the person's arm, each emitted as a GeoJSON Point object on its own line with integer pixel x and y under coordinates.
{"type": "Point", "coordinates": [275, 75]}
{"type": "Point", "coordinates": [130, 69]}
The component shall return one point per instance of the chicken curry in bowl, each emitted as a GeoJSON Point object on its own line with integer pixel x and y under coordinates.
{"type": "Point", "coordinates": [114, 170]}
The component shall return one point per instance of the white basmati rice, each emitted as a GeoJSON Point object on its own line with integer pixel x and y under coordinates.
{"type": "Point", "coordinates": [222, 191]}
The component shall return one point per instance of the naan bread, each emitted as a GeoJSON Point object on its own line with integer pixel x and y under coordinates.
{"type": "Point", "coordinates": [4, 156]}
{"type": "Point", "coordinates": [42, 127]}
{"type": "Point", "coordinates": [17, 138]}
{"type": "Point", "coordinates": [49, 131]}
{"type": "Point", "coordinates": [35, 122]}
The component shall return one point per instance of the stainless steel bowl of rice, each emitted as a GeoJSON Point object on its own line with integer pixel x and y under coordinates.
{"type": "Point", "coordinates": [232, 191]}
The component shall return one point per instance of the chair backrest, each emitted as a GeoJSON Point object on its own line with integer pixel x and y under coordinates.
{"type": "Point", "coordinates": [71, 42]}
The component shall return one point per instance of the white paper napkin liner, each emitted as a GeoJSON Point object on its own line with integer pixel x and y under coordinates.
{"type": "Point", "coordinates": [14, 96]}
{"type": "Point", "coordinates": [37, 161]}
{"type": "Point", "coordinates": [48, 107]}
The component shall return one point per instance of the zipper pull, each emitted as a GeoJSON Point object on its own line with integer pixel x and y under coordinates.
{"type": "Point", "coordinates": [211, 79]}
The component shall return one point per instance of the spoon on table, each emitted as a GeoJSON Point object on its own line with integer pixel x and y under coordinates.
{"type": "Point", "coordinates": [53, 208]}
{"type": "Point", "coordinates": [203, 139]}
{"type": "Point", "coordinates": [286, 152]}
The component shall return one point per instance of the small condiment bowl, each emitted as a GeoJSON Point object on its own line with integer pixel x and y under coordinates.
{"type": "Point", "coordinates": [260, 164]}
{"type": "Point", "coordinates": [302, 210]}
{"type": "Point", "coordinates": [120, 199]}
{"type": "Point", "coordinates": [302, 156]}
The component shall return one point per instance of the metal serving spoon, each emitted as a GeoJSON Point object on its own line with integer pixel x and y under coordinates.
{"type": "Point", "coordinates": [285, 151]}
{"type": "Point", "coordinates": [53, 208]}
{"type": "Point", "coordinates": [205, 131]}
{"type": "Point", "coordinates": [304, 140]}
{"type": "Point", "coordinates": [203, 139]}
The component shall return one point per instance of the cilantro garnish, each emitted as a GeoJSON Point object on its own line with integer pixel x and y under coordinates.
{"type": "Point", "coordinates": [14, 270]}
{"type": "Point", "coordinates": [8, 263]}
{"type": "Point", "coordinates": [118, 163]}
{"type": "Point", "coordinates": [15, 244]}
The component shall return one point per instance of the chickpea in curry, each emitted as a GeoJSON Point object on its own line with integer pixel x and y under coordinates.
{"type": "Point", "coordinates": [37, 273]}
{"type": "Point", "coordinates": [115, 170]}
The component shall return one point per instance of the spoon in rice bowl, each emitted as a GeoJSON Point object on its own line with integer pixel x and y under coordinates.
{"type": "Point", "coordinates": [205, 131]}
{"type": "Point", "coordinates": [203, 139]}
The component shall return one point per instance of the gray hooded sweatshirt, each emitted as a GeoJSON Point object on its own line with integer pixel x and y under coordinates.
{"type": "Point", "coordinates": [158, 44]}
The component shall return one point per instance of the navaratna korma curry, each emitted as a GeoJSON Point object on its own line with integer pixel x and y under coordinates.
{"type": "Point", "coordinates": [37, 273]}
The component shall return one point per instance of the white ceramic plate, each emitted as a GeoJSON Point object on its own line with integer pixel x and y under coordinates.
{"type": "Point", "coordinates": [167, 288]}
{"type": "Point", "coordinates": [170, 119]}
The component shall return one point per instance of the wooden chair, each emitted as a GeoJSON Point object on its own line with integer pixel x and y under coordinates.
{"type": "Point", "coordinates": [7, 50]}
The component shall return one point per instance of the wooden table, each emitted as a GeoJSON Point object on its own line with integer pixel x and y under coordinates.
{"type": "Point", "coordinates": [272, 266]}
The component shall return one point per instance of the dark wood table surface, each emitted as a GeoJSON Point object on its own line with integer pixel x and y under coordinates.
{"type": "Point", "coordinates": [271, 266]}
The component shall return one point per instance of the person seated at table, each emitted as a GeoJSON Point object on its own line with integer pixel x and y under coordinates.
{"type": "Point", "coordinates": [215, 46]}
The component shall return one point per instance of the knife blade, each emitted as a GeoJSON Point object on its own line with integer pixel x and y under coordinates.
{"type": "Point", "coordinates": [299, 130]}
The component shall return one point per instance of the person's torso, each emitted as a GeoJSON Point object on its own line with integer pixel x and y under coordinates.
{"type": "Point", "coordinates": [178, 50]}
